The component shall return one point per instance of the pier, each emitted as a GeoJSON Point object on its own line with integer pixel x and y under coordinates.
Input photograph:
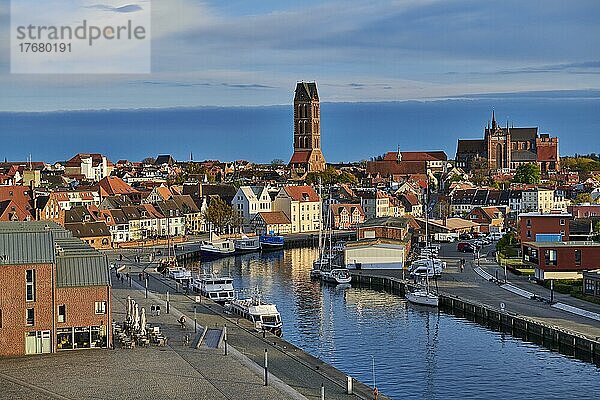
{"type": "Point", "coordinates": [563, 337]}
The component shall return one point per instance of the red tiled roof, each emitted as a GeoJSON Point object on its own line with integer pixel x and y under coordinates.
{"type": "Point", "coordinates": [274, 218]}
{"type": "Point", "coordinates": [300, 157]}
{"type": "Point", "coordinates": [387, 168]}
{"type": "Point", "coordinates": [416, 156]}
{"type": "Point", "coordinates": [302, 193]}
{"type": "Point", "coordinates": [113, 186]}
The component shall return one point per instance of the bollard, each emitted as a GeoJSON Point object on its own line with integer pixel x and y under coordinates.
{"type": "Point", "coordinates": [322, 392]}
{"type": "Point", "coordinates": [225, 337]}
{"type": "Point", "coordinates": [266, 368]}
{"type": "Point", "coordinates": [195, 321]}
{"type": "Point", "coordinates": [167, 301]}
{"type": "Point", "coordinates": [349, 385]}
{"type": "Point", "coordinates": [146, 285]}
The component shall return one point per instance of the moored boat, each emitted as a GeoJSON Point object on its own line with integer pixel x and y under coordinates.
{"type": "Point", "coordinates": [216, 248]}
{"type": "Point", "coordinates": [263, 315]}
{"type": "Point", "coordinates": [218, 289]}
{"type": "Point", "coordinates": [271, 242]}
{"type": "Point", "coordinates": [336, 276]}
{"type": "Point", "coordinates": [423, 297]}
{"type": "Point", "coordinates": [246, 244]}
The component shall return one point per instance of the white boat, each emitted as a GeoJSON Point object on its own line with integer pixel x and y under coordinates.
{"type": "Point", "coordinates": [216, 248]}
{"type": "Point", "coordinates": [246, 244]}
{"type": "Point", "coordinates": [263, 315]}
{"type": "Point", "coordinates": [180, 274]}
{"type": "Point", "coordinates": [337, 276]}
{"type": "Point", "coordinates": [423, 297]}
{"type": "Point", "coordinates": [218, 289]}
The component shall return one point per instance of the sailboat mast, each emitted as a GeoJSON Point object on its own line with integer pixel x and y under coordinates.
{"type": "Point", "coordinates": [321, 224]}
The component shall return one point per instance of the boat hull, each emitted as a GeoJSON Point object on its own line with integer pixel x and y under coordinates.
{"type": "Point", "coordinates": [423, 299]}
{"type": "Point", "coordinates": [271, 243]}
{"type": "Point", "coordinates": [208, 254]}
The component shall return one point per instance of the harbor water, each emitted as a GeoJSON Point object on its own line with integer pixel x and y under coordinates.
{"type": "Point", "coordinates": [408, 352]}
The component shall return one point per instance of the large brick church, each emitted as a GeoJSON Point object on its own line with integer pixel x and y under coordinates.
{"type": "Point", "coordinates": [307, 155]}
{"type": "Point", "coordinates": [503, 149]}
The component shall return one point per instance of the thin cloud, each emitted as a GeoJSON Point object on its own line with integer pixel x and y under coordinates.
{"type": "Point", "coordinates": [127, 8]}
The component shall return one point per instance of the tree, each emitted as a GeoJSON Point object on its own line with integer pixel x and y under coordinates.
{"type": "Point", "coordinates": [277, 162]}
{"type": "Point", "coordinates": [527, 173]}
{"type": "Point", "coordinates": [583, 198]}
{"type": "Point", "coordinates": [148, 160]}
{"type": "Point", "coordinates": [221, 215]}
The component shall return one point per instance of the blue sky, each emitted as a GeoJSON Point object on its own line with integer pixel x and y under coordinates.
{"type": "Point", "coordinates": [238, 52]}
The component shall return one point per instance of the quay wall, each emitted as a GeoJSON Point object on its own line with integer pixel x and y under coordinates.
{"type": "Point", "coordinates": [555, 338]}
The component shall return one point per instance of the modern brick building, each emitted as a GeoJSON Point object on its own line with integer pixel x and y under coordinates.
{"type": "Point", "coordinates": [533, 224]}
{"type": "Point", "coordinates": [56, 292]}
{"type": "Point", "coordinates": [561, 260]}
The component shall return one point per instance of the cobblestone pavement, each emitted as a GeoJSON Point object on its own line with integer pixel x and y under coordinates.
{"type": "Point", "coordinates": [172, 372]}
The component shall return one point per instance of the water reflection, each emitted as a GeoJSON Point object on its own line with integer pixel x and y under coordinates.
{"type": "Point", "coordinates": [418, 352]}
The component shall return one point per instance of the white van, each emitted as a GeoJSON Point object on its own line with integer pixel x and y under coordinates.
{"type": "Point", "coordinates": [496, 235]}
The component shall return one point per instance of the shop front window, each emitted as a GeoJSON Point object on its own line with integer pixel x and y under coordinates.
{"type": "Point", "coordinates": [64, 339]}
{"type": "Point", "coordinates": [82, 337]}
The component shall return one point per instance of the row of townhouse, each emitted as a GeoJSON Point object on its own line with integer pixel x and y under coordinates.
{"type": "Point", "coordinates": [537, 199]}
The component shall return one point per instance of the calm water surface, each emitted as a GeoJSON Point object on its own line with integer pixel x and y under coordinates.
{"type": "Point", "coordinates": [419, 353]}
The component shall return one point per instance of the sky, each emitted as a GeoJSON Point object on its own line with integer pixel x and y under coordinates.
{"type": "Point", "coordinates": [238, 52]}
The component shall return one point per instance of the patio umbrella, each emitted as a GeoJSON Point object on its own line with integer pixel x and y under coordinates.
{"type": "Point", "coordinates": [143, 322]}
{"type": "Point", "coordinates": [129, 310]}
{"type": "Point", "coordinates": [136, 318]}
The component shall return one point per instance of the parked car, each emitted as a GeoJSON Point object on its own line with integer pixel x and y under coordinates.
{"type": "Point", "coordinates": [496, 235]}
{"type": "Point", "coordinates": [465, 236]}
{"type": "Point", "coordinates": [465, 247]}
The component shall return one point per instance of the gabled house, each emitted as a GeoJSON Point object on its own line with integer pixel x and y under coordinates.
{"type": "Point", "coordinates": [302, 205]}
{"type": "Point", "coordinates": [490, 219]}
{"type": "Point", "coordinates": [347, 216]}
{"type": "Point", "coordinates": [271, 222]}
{"type": "Point", "coordinates": [117, 224]}
{"type": "Point", "coordinates": [93, 167]}
{"type": "Point", "coordinates": [113, 186]}
{"type": "Point", "coordinates": [193, 215]}
{"type": "Point", "coordinates": [250, 200]}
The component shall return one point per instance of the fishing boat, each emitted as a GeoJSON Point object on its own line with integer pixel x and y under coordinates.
{"type": "Point", "coordinates": [262, 315]}
{"type": "Point", "coordinates": [216, 248]}
{"type": "Point", "coordinates": [271, 242]}
{"type": "Point", "coordinates": [218, 289]}
{"type": "Point", "coordinates": [246, 244]}
{"type": "Point", "coordinates": [338, 276]}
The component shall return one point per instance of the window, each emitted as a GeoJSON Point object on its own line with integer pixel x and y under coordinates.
{"type": "Point", "coordinates": [30, 285]}
{"type": "Point", "coordinates": [562, 221]}
{"type": "Point", "coordinates": [62, 313]}
{"type": "Point", "coordinates": [577, 257]}
{"type": "Point", "coordinates": [528, 223]}
{"type": "Point", "coordinates": [100, 307]}
{"type": "Point", "coordinates": [528, 233]}
{"type": "Point", "coordinates": [30, 317]}
{"type": "Point", "coordinates": [550, 255]}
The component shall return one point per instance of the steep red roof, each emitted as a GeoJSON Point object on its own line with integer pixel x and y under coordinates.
{"type": "Point", "coordinates": [300, 157]}
{"type": "Point", "coordinates": [302, 193]}
{"type": "Point", "coordinates": [113, 186]}
{"type": "Point", "coordinates": [416, 156]}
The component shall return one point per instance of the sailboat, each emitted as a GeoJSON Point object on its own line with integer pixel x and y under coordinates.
{"type": "Point", "coordinates": [423, 296]}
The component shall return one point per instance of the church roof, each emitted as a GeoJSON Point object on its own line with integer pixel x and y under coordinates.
{"type": "Point", "coordinates": [306, 91]}
{"type": "Point", "coordinates": [522, 134]}
{"type": "Point", "coordinates": [471, 146]}
{"type": "Point", "coordinates": [523, 155]}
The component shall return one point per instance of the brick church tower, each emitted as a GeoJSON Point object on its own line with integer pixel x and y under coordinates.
{"type": "Point", "coordinates": [498, 146]}
{"type": "Point", "coordinates": [307, 155]}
